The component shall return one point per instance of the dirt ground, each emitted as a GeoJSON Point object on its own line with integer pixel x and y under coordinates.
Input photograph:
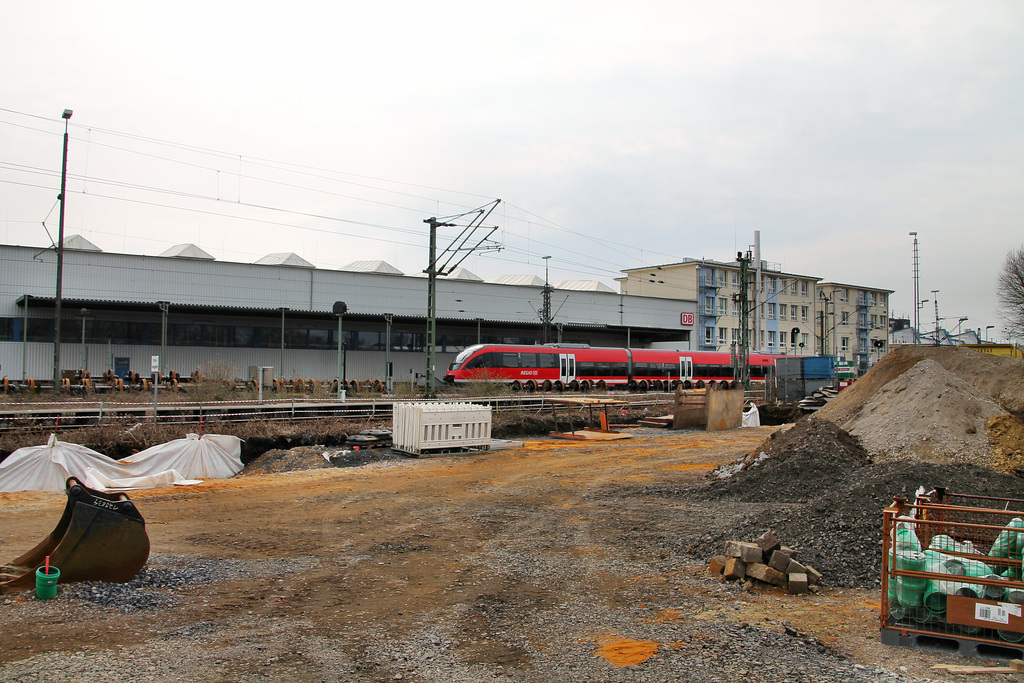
{"type": "Point", "coordinates": [371, 554]}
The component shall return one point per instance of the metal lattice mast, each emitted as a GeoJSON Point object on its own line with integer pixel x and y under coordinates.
{"type": "Point", "coordinates": [917, 292]}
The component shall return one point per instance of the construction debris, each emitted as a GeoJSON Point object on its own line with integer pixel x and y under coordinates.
{"type": "Point", "coordinates": [766, 561]}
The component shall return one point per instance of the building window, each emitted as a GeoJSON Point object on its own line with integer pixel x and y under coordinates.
{"type": "Point", "coordinates": [723, 306]}
{"type": "Point", "coordinates": [803, 288]}
{"type": "Point", "coordinates": [803, 314]}
{"type": "Point", "coordinates": [709, 305]}
{"type": "Point", "coordinates": [735, 307]}
{"type": "Point", "coordinates": [844, 294]}
{"type": "Point", "coordinates": [721, 278]}
{"type": "Point", "coordinates": [771, 311]}
{"type": "Point", "coordinates": [709, 335]}
{"type": "Point", "coordinates": [771, 339]}
{"type": "Point", "coordinates": [772, 283]}
{"type": "Point", "coordinates": [792, 288]}
{"type": "Point", "coordinates": [722, 338]}
{"type": "Point", "coordinates": [844, 344]}
{"type": "Point", "coordinates": [846, 318]}
{"type": "Point", "coordinates": [803, 341]}
{"type": "Point", "coordinates": [735, 280]}
{"type": "Point", "coordinates": [735, 335]}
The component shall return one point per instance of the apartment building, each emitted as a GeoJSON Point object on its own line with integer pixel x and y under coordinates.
{"type": "Point", "coordinates": [853, 323]}
{"type": "Point", "coordinates": [781, 306]}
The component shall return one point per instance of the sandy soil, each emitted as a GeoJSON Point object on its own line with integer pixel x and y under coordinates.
{"type": "Point", "coordinates": [396, 544]}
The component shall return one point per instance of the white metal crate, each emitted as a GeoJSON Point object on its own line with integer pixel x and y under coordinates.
{"type": "Point", "coordinates": [423, 427]}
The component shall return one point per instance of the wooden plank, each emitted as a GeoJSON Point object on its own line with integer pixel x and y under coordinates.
{"type": "Point", "coordinates": [590, 435]}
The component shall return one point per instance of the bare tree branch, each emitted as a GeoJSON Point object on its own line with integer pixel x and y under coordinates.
{"type": "Point", "coordinates": [1010, 285]}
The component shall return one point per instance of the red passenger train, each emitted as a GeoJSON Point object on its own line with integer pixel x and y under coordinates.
{"type": "Point", "coordinates": [580, 367]}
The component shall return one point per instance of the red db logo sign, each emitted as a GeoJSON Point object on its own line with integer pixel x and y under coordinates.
{"type": "Point", "coordinates": [686, 319]}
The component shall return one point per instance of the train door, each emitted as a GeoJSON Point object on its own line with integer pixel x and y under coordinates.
{"type": "Point", "coordinates": [566, 367]}
{"type": "Point", "coordinates": [686, 368]}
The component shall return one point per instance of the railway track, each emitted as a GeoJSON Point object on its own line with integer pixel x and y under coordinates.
{"type": "Point", "coordinates": [69, 414]}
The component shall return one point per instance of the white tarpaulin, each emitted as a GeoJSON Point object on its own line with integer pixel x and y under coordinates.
{"type": "Point", "coordinates": [211, 456]}
{"type": "Point", "coordinates": [96, 480]}
{"type": "Point", "coordinates": [46, 468]}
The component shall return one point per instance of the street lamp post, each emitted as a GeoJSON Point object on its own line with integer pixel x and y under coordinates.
{"type": "Point", "coordinates": [85, 350]}
{"type": "Point", "coordinates": [282, 309]}
{"type": "Point", "coordinates": [340, 308]}
{"type": "Point", "coordinates": [987, 328]}
{"type": "Point", "coordinates": [60, 257]}
{"type": "Point", "coordinates": [165, 307]}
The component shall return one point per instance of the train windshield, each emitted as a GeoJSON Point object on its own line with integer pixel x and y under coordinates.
{"type": "Point", "coordinates": [463, 356]}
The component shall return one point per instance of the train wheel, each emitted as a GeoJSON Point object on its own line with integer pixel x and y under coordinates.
{"type": "Point", "coordinates": [700, 384]}
{"type": "Point", "coordinates": [602, 385]}
{"type": "Point", "coordinates": [642, 385]}
{"type": "Point", "coordinates": [585, 386]}
{"type": "Point", "coordinates": [530, 386]}
{"type": "Point", "coordinates": [517, 386]}
{"type": "Point", "coordinates": [574, 385]}
{"type": "Point", "coordinates": [354, 386]}
{"type": "Point", "coordinates": [378, 386]}
{"type": "Point", "coordinates": [558, 386]}
{"type": "Point", "coordinates": [734, 384]}
{"type": "Point", "coordinates": [631, 385]}
{"type": "Point", "coordinates": [687, 384]}
{"type": "Point", "coordinates": [7, 386]}
{"type": "Point", "coordinates": [723, 384]}
{"type": "Point", "coordinates": [547, 385]}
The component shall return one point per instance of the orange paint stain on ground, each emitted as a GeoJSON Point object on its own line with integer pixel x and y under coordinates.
{"type": "Point", "coordinates": [691, 466]}
{"type": "Point", "coordinates": [625, 651]}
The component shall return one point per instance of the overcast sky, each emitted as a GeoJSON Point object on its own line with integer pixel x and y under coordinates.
{"type": "Point", "coordinates": [616, 134]}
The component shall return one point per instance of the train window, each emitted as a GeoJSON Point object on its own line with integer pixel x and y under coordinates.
{"type": "Point", "coordinates": [586, 368]}
{"type": "Point", "coordinates": [618, 369]}
{"type": "Point", "coordinates": [548, 360]}
{"type": "Point", "coordinates": [484, 360]}
{"type": "Point", "coordinates": [509, 360]}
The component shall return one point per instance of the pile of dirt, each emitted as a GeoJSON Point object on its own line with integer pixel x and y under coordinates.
{"type": "Point", "coordinates": [927, 414]}
{"type": "Point", "coordinates": [793, 465]}
{"type": "Point", "coordinates": [934, 404]}
{"type": "Point", "coordinates": [314, 458]}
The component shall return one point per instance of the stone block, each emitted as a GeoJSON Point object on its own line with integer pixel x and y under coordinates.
{"type": "Point", "coordinates": [763, 572]}
{"type": "Point", "coordinates": [813, 575]}
{"type": "Point", "coordinates": [768, 543]}
{"type": "Point", "coordinates": [793, 552]}
{"type": "Point", "coordinates": [780, 560]}
{"type": "Point", "coordinates": [748, 552]}
{"type": "Point", "coordinates": [717, 564]}
{"type": "Point", "coordinates": [798, 583]}
{"type": "Point", "coordinates": [735, 568]}
{"type": "Point", "coordinates": [795, 567]}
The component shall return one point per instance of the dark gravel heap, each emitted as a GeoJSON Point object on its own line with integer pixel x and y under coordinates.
{"type": "Point", "coordinates": [312, 458]}
{"type": "Point", "coordinates": [818, 494]}
{"type": "Point", "coordinates": [157, 584]}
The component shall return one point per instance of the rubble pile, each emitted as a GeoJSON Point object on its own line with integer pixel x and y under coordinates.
{"type": "Point", "coordinates": [766, 561]}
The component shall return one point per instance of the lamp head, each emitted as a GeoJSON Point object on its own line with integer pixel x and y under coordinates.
{"type": "Point", "coordinates": [67, 114]}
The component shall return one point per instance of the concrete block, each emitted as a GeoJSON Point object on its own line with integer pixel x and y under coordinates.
{"type": "Point", "coordinates": [735, 568]}
{"type": "Point", "coordinates": [717, 564]}
{"type": "Point", "coordinates": [768, 543]}
{"type": "Point", "coordinates": [798, 583]}
{"type": "Point", "coordinates": [780, 560]}
{"type": "Point", "coordinates": [748, 552]}
{"type": "Point", "coordinates": [793, 552]}
{"type": "Point", "coordinates": [763, 572]}
{"type": "Point", "coordinates": [813, 575]}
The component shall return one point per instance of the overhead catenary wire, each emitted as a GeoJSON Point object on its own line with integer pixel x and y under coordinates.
{"type": "Point", "coordinates": [590, 261]}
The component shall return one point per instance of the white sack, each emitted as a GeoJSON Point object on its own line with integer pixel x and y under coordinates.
{"type": "Point", "coordinates": [212, 456]}
{"type": "Point", "coordinates": [751, 417]}
{"type": "Point", "coordinates": [46, 468]}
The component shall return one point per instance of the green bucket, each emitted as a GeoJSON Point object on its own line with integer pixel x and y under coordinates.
{"type": "Point", "coordinates": [46, 583]}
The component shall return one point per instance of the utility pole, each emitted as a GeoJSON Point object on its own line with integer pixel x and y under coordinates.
{"type": "Point", "coordinates": [935, 298]}
{"type": "Point", "coordinates": [60, 259]}
{"type": "Point", "coordinates": [743, 356]}
{"type": "Point", "coordinates": [917, 292]}
{"type": "Point", "coordinates": [445, 263]}
{"type": "Point", "coordinates": [545, 311]}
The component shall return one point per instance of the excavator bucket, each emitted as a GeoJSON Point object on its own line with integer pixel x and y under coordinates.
{"type": "Point", "coordinates": [100, 537]}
